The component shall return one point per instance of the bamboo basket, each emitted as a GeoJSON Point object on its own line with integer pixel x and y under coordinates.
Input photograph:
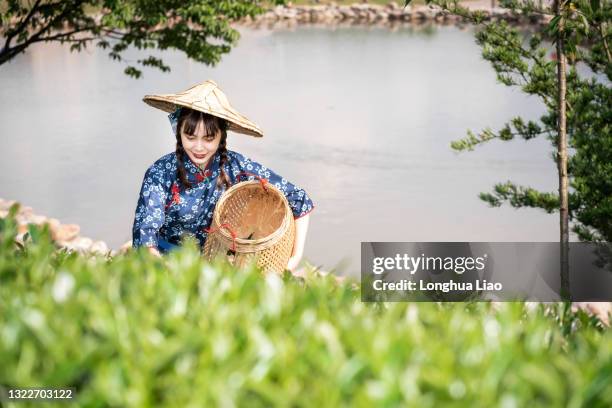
{"type": "Point", "coordinates": [252, 223]}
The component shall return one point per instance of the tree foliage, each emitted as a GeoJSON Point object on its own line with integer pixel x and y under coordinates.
{"type": "Point", "coordinates": [525, 60]}
{"type": "Point", "coordinates": [199, 28]}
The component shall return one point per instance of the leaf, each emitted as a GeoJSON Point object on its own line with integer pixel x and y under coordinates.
{"type": "Point", "coordinates": [585, 22]}
{"type": "Point", "coordinates": [551, 29]}
{"type": "Point", "coordinates": [133, 72]}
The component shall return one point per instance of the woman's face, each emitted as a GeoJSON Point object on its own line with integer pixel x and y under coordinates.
{"type": "Point", "coordinates": [200, 147]}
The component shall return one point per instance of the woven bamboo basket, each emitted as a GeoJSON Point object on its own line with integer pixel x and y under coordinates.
{"type": "Point", "coordinates": [252, 223]}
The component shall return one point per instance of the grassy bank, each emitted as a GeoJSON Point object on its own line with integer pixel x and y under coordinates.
{"type": "Point", "coordinates": [137, 331]}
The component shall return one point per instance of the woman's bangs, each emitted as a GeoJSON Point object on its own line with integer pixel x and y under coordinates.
{"type": "Point", "coordinates": [193, 118]}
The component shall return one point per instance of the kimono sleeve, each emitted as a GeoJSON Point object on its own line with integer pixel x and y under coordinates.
{"type": "Point", "coordinates": [298, 199]}
{"type": "Point", "coordinates": [150, 210]}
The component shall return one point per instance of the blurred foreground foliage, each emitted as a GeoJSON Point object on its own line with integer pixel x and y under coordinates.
{"type": "Point", "coordinates": [137, 331]}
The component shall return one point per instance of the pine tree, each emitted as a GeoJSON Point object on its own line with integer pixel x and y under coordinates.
{"type": "Point", "coordinates": [578, 108]}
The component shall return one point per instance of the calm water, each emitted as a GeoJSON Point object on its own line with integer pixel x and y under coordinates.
{"type": "Point", "coordinates": [361, 118]}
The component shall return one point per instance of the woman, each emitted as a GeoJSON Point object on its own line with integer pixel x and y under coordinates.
{"type": "Point", "coordinates": [180, 190]}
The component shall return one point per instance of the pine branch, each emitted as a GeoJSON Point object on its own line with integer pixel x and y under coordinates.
{"type": "Point", "coordinates": [520, 196]}
{"type": "Point", "coordinates": [527, 131]}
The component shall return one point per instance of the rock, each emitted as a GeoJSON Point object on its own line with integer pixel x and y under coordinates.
{"type": "Point", "coordinates": [25, 212]}
{"type": "Point", "coordinates": [382, 15]}
{"type": "Point", "coordinates": [66, 236]}
{"type": "Point", "coordinates": [53, 224]}
{"type": "Point", "coordinates": [125, 247]}
{"type": "Point", "coordinates": [38, 219]}
{"type": "Point", "coordinates": [82, 244]}
{"type": "Point", "coordinates": [6, 204]}
{"type": "Point", "coordinates": [452, 18]}
{"type": "Point", "coordinates": [268, 16]}
{"type": "Point", "coordinates": [99, 247]}
{"type": "Point", "coordinates": [303, 17]}
{"type": "Point", "coordinates": [392, 6]}
{"type": "Point", "coordinates": [314, 15]}
{"type": "Point", "coordinates": [66, 232]}
{"type": "Point", "coordinates": [419, 15]}
{"type": "Point", "coordinates": [603, 310]}
{"type": "Point", "coordinates": [329, 15]}
{"type": "Point", "coordinates": [346, 12]}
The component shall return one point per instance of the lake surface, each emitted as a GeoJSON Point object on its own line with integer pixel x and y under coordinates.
{"type": "Point", "coordinates": [362, 118]}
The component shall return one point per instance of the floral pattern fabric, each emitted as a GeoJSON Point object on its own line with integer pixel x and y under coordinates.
{"type": "Point", "coordinates": [167, 211]}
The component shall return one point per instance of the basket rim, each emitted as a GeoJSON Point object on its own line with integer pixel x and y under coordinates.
{"type": "Point", "coordinates": [246, 244]}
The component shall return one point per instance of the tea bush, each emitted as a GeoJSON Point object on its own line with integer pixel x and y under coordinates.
{"type": "Point", "coordinates": [138, 331]}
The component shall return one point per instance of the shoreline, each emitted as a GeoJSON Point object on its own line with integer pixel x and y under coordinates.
{"type": "Point", "coordinates": [389, 15]}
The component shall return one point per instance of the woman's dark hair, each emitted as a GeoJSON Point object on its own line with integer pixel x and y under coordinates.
{"type": "Point", "coordinates": [188, 121]}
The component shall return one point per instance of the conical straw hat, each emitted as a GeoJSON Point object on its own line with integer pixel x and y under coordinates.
{"type": "Point", "coordinates": [206, 97]}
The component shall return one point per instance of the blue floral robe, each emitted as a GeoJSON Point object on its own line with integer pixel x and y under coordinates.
{"type": "Point", "coordinates": [166, 210]}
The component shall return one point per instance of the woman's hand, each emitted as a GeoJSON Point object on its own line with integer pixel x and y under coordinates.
{"type": "Point", "coordinates": [294, 261]}
{"type": "Point", "coordinates": [154, 251]}
{"type": "Point", "coordinates": [301, 229]}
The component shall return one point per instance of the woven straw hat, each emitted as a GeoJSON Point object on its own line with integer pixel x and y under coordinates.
{"type": "Point", "coordinates": [206, 97]}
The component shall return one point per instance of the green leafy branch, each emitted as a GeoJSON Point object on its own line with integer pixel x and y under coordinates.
{"type": "Point", "coordinates": [200, 29]}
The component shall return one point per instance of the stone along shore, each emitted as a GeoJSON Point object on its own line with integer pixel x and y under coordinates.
{"type": "Point", "coordinates": [65, 236]}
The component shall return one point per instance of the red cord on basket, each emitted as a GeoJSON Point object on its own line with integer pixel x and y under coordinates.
{"type": "Point", "coordinates": [262, 180]}
{"type": "Point", "coordinates": [228, 228]}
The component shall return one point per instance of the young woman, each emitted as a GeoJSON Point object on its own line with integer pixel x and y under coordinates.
{"type": "Point", "coordinates": [180, 190]}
